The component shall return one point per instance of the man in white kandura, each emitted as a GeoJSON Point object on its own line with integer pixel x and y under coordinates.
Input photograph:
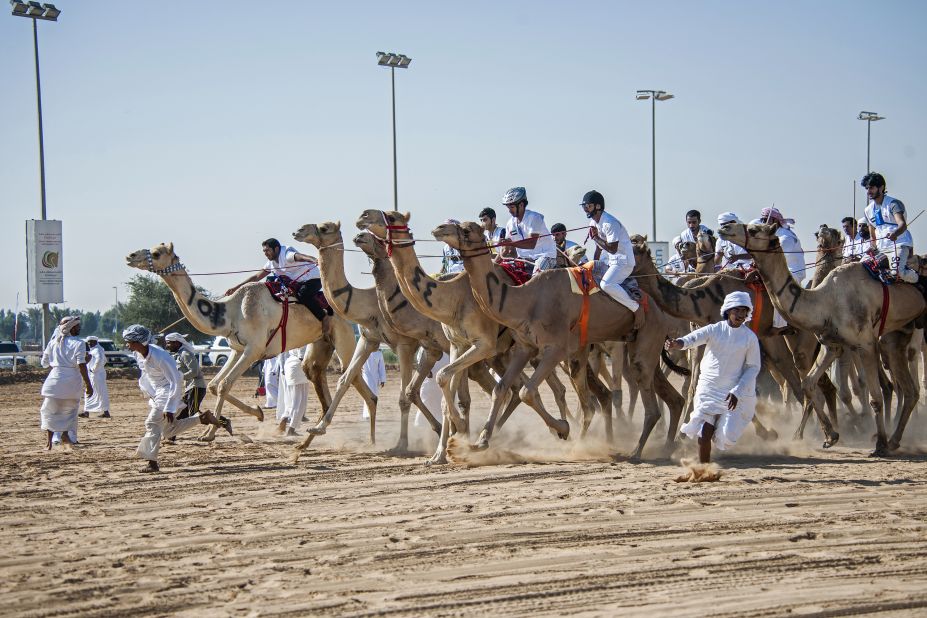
{"type": "Point", "coordinates": [96, 366]}
{"type": "Point", "coordinates": [527, 232]}
{"type": "Point", "coordinates": [451, 262]}
{"type": "Point", "coordinates": [163, 383]}
{"type": "Point", "coordinates": [66, 354]}
{"type": "Point", "coordinates": [374, 374]}
{"type": "Point", "coordinates": [725, 398]}
{"type": "Point", "coordinates": [271, 369]}
{"type": "Point", "coordinates": [295, 395]}
{"type": "Point", "coordinates": [194, 384]}
{"type": "Point", "coordinates": [727, 253]}
{"type": "Point", "coordinates": [611, 237]}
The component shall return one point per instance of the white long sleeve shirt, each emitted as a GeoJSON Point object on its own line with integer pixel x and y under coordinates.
{"type": "Point", "coordinates": [161, 380]}
{"type": "Point", "coordinates": [730, 365]}
{"type": "Point", "coordinates": [64, 355]}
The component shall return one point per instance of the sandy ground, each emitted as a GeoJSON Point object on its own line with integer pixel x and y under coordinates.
{"type": "Point", "coordinates": [234, 529]}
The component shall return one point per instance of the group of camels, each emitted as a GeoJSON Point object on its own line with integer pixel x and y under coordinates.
{"type": "Point", "coordinates": [523, 333]}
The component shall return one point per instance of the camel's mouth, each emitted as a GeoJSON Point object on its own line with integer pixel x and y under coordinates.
{"type": "Point", "coordinates": [305, 233]}
{"type": "Point", "coordinates": [137, 260]}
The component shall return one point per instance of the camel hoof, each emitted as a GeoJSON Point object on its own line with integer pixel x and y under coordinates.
{"type": "Point", "coordinates": [771, 435]}
{"type": "Point", "coordinates": [260, 414]}
{"type": "Point", "coordinates": [481, 445]}
{"type": "Point", "coordinates": [894, 445]}
{"type": "Point", "coordinates": [399, 450]}
{"type": "Point", "coordinates": [206, 438]}
{"type": "Point", "coordinates": [316, 431]}
{"type": "Point", "coordinates": [880, 451]}
{"type": "Point", "coordinates": [832, 440]}
{"type": "Point", "coordinates": [245, 439]}
{"type": "Point", "coordinates": [436, 461]}
{"type": "Point", "coordinates": [635, 457]}
{"type": "Point", "coordinates": [561, 429]}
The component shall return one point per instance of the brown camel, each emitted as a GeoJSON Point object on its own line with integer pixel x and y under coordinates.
{"type": "Point", "coordinates": [360, 305]}
{"type": "Point", "coordinates": [403, 317]}
{"type": "Point", "coordinates": [700, 300]}
{"type": "Point", "coordinates": [249, 318]}
{"type": "Point", "coordinates": [705, 250]}
{"type": "Point", "coordinates": [474, 336]}
{"type": "Point", "coordinates": [548, 328]}
{"type": "Point", "coordinates": [844, 311]}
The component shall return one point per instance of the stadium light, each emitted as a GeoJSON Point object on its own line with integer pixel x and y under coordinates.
{"type": "Point", "coordinates": [869, 117]}
{"type": "Point", "coordinates": [654, 96]}
{"type": "Point", "coordinates": [394, 61]}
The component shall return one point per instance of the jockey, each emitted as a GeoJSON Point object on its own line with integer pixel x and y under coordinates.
{"type": "Point", "coordinates": [888, 227]}
{"type": "Point", "coordinates": [611, 237]}
{"type": "Point", "coordinates": [528, 233]}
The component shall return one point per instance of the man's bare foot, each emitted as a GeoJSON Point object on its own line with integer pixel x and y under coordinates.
{"type": "Point", "coordinates": [151, 467]}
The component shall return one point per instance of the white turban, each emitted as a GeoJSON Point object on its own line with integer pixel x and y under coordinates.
{"type": "Point", "coordinates": [677, 240]}
{"type": "Point", "coordinates": [136, 334]}
{"type": "Point", "coordinates": [184, 344]}
{"type": "Point", "coordinates": [67, 323]}
{"type": "Point", "coordinates": [90, 338]}
{"type": "Point", "coordinates": [863, 221]}
{"type": "Point", "coordinates": [728, 217]}
{"type": "Point", "coordinates": [737, 299]}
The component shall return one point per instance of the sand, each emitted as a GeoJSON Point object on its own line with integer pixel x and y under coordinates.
{"type": "Point", "coordinates": [533, 527]}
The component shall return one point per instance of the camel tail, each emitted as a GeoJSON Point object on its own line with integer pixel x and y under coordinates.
{"type": "Point", "coordinates": [673, 366]}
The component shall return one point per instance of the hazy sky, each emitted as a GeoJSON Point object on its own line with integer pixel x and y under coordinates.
{"type": "Point", "coordinates": [218, 129]}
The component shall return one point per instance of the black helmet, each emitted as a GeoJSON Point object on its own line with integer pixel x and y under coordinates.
{"type": "Point", "coordinates": [872, 179]}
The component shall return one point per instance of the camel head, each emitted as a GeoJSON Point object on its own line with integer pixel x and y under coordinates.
{"type": "Point", "coordinates": [369, 244]}
{"type": "Point", "coordinates": [376, 221]}
{"type": "Point", "coordinates": [320, 235]}
{"type": "Point", "coordinates": [687, 250]}
{"type": "Point", "coordinates": [828, 239]}
{"type": "Point", "coordinates": [160, 259]}
{"type": "Point", "coordinates": [752, 237]}
{"type": "Point", "coordinates": [575, 253]}
{"type": "Point", "coordinates": [466, 235]}
{"type": "Point", "coordinates": [705, 242]}
{"type": "Point", "coordinates": [641, 250]}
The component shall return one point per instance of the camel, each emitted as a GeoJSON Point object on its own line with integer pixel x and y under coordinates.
{"type": "Point", "coordinates": [474, 336]}
{"type": "Point", "coordinates": [844, 311]}
{"type": "Point", "coordinates": [705, 250]}
{"type": "Point", "coordinates": [250, 319]}
{"type": "Point", "coordinates": [699, 301]}
{"type": "Point", "coordinates": [360, 305]}
{"type": "Point", "coordinates": [404, 318]}
{"type": "Point", "coordinates": [546, 328]}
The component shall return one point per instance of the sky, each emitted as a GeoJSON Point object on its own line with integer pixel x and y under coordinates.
{"type": "Point", "coordinates": [217, 125]}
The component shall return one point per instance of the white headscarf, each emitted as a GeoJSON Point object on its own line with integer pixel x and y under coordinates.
{"type": "Point", "coordinates": [737, 299]}
{"type": "Point", "coordinates": [677, 240]}
{"type": "Point", "coordinates": [728, 217]}
{"type": "Point", "coordinates": [184, 344]}
{"type": "Point", "coordinates": [67, 323]}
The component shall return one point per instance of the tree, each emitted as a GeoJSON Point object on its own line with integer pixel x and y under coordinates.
{"type": "Point", "coordinates": [152, 305]}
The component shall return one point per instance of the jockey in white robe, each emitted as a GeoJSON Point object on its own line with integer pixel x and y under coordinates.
{"type": "Point", "coordinates": [66, 382]}
{"type": "Point", "coordinates": [296, 387]}
{"type": "Point", "coordinates": [271, 369]}
{"type": "Point", "coordinates": [99, 402]}
{"type": "Point", "coordinates": [729, 366]}
{"type": "Point", "coordinates": [374, 374]}
{"type": "Point", "coordinates": [162, 382]}
{"type": "Point", "coordinates": [431, 393]}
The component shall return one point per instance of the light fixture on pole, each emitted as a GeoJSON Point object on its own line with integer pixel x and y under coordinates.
{"type": "Point", "coordinates": [116, 312]}
{"type": "Point", "coordinates": [393, 62]}
{"type": "Point", "coordinates": [45, 12]}
{"type": "Point", "coordinates": [869, 117]}
{"type": "Point", "coordinates": [654, 96]}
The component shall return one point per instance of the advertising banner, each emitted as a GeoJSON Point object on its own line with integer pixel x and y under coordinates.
{"type": "Point", "coordinates": [659, 249]}
{"type": "Point", "coordinates": [44, 273]}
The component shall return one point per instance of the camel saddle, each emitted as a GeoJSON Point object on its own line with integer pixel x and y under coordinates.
{"type": "Point", "coordinates": [518, 270]}
{"type": "Point", "coordinates": [585, 280]}
{"type": "Point", "coordinates": [285, 290]}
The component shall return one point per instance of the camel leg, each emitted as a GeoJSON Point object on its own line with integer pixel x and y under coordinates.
{"type": "Point", "coordinates": [602, 395]}
{"type": "Point", "coordinates": [550, 357]}
{"type": "Point", "coordinates": [362, 352]}
{"type": "Point", "coordinates": [559, 391]}
{"type": "Point", "coordinates": [813, 393]}
{"type": "Point", "coordinates": [479, 350]}
{"type": "Point", "coordinates": [900, 364]}
{"type": "Point", "coordinates": [675, 402]}
{"type": "Point", "coordinates": [237, 364]}
{"type": "Point", "coordinates": [406, 354]}
{"type": "Point", "coordinates": [617, 353]}
{"type": "Point", "coordinates": [413, 390]}
{"type": "Point", "coordinates": [517, 359]}
{"type": "Point", "coordinates": [869, 361]}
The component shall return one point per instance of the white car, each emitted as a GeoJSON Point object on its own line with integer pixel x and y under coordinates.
{"type": "Point", "coordinates": [114, 356]}
{"type": "Point", "coordinates": [219, 351]}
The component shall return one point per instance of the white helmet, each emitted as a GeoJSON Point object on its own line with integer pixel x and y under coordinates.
{"type": "Point", "coordinates": [514, 195]}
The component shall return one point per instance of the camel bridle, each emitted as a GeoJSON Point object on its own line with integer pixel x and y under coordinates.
{"type": "Point", "coordinates": [173, 268]}
{"type": "Point", "coordinates": [389, 240]}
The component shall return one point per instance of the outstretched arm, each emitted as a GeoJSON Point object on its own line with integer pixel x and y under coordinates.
{"type": "Point", "coordinates": [255, 277]}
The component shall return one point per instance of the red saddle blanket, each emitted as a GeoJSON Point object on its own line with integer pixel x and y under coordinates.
{"type": "Point", "coordinates": [519, 271]}
{"type": "Point", "coordinates": [285, 290]}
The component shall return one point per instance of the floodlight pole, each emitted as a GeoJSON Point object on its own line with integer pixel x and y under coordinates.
{"type": "Point", "coordinates": [653, 95]}
{"type": "Point", "coordinates": [392, 78]}
{"type": "Point", "coordinates": [46, 16]}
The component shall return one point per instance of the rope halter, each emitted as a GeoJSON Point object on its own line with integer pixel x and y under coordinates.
{"type": "Point", "coordinates": [402, 242]}
{"type": "Point", "coordinates": [173, 268]}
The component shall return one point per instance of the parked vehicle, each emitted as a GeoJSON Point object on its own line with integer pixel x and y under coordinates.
{"type": "Point", "coordinates": [219, 351]}
{"type": "Point", "coordinates": [10, 347]}
{"type": "Point", "coordinates": [114, 356]}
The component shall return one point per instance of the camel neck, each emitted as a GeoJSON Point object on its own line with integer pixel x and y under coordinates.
{"type": "Point", "coordinates": [338, 290]}
{"type": "Point", "coordinates": [491, 292]}
{"type": "Point", "coordinates": [205, 315]}
{"type": "Point", "coordinates": [697, 304]}
{"type": "Point", "coordinates": [785, 293]}
{"type": "Point", "coordinates": [433, 298]}
{"type": "Point", "coordinates": [825, 261]}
